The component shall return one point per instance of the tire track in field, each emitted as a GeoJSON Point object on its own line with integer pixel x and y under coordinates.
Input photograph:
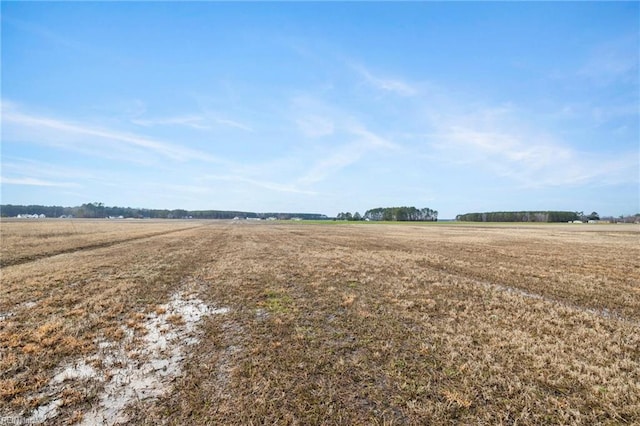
{"type": "Point", "coordinates": [601, 312]}
{"type": "Point", "coordinates": [469, 277]}
{"type": "Point", "coordinates": [93, 246]}
{"type": "Point", "coordinates": [557, 300]}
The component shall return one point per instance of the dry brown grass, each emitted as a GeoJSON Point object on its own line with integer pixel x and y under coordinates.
{"type": "Point", "coordinates": [25, 239]}
{"type": "Point", "coordinates": [350, 324]}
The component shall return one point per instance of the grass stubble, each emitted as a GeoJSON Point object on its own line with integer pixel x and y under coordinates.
{"type": "Point", "coordinates": [354, 324]}
{"type": "Point", "coordinates": [27, 240]}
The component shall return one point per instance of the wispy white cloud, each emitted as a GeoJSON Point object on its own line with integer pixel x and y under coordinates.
{"type": "Point", "coordinates": [496, 141]}
{"type": "Point", "coordinates": [369, 139]}
{"type": "Point", "coordinates": [192, 121]}
{"type": "Point", "coordinates": [363, 141]}
{"type": "Point", "coordinates": [329, 166]}
{"type": "Point", "coordinates": [63, 133]}
{"type": "Point", "coordinates": [199, 122]}
{"type": "Point", "coordinates": [337, 138]}
{"type": "Point", "coordinates": [272, 186]}
{"type": "Point", "coordinates": [315, 126]}
{"type": "Point", "coordinates": [44, 170]}
{"type": "Point", "coordinates": [232, 123]}
{"type": "Point", "coordinates": [35, 182]}
{"type": "Point", "coordinates": [393, 85]}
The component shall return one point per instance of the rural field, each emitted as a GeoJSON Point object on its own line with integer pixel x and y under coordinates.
{"type": "Point", "coordinates": [236, 322]}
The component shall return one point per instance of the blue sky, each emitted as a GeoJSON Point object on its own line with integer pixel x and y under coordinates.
{"type": "Point", "coordinates": [322, 107]}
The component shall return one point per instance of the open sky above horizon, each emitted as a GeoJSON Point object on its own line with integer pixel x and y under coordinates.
{"type": "Point", "coordinates": [322, 107]}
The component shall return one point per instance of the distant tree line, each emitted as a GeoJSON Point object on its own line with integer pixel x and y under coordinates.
{"type": "Point", "coordinates": [392, 214]}
{"type": "Point", "coordinates": [348, 216]}
{"type": "Point", "coordinates": [99, 210]}
{"type": "Point", "coordinates": [525, 216]}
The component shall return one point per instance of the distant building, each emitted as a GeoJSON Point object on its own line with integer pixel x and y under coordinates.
{"type": "Point", "coordinates": [31, 216]}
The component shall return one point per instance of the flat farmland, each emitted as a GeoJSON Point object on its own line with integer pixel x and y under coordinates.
{"type": "Point", "coordinates": [213, 322]}
{"type": "Point", "coordinates": [24, 240]}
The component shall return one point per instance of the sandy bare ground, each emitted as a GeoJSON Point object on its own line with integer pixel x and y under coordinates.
{"type": "Point", "coordinates": [238, 323]}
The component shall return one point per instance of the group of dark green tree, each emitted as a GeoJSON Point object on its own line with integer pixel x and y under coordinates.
{"type": "Point", "coordinates": [527, 216]}
{"type": "Point", "coordinates": [393, 214]}
{"type": "Point", "coordinates": [99, 210]}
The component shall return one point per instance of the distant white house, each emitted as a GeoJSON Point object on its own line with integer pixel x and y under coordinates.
{"type": "Point", "coordinates": [31, 216]}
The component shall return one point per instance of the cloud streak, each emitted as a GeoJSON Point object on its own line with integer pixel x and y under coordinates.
{"type": "Point", "coordinates": [532, 159]}
{"type": "Point", "coordinates": [364, 141]}
{"type": "Point", "coordinates": [29, 181]}
{"type": "Point", "coordinates": [52, 128]}
{"type": "Point", "coordinates": [192, 121]}
{"type": "Point", "coordinates": [272, 186]}
{"type": "Point", "coordinates": [198, 122]}
{"type": "Point", "coordinates": [315, 126]}
{"type": "Point", "coordinates": [232, 123]}
{"type": "Point", "coordinates": [395, 86]}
